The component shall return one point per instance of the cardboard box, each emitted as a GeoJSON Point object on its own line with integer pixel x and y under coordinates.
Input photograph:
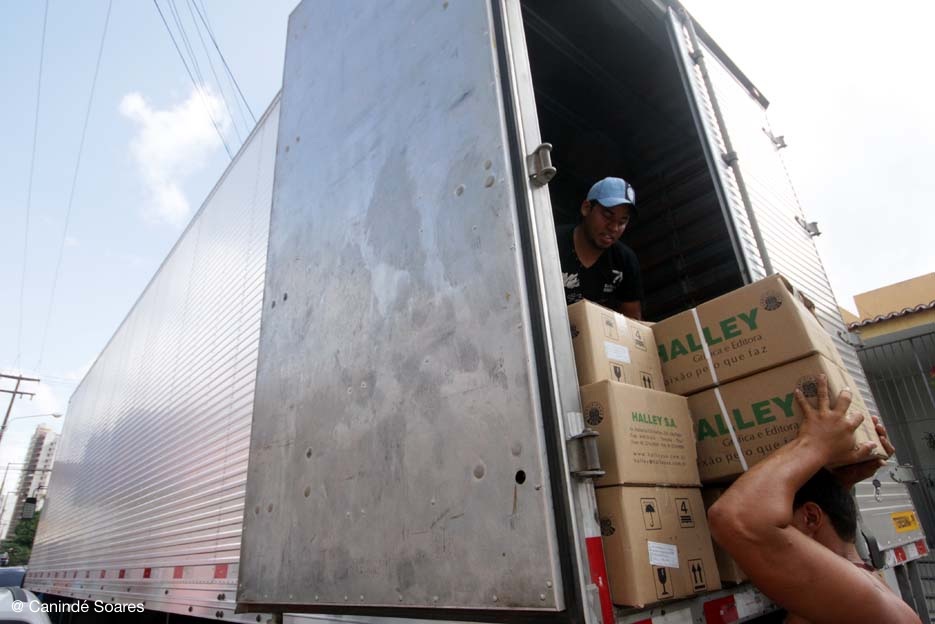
{"type": "Point", "coordinates": [751, 329]}
{"type": "Point", "coordinates": [646, 437]}
{"type": "Point", "coordinates": [610, 346]}
{"type": "Point", "coordinates": [765, 415]}
{"type": "Point", "coordinates": [656, 544]}
{"type": "Point", "coordinates": [727, 568]}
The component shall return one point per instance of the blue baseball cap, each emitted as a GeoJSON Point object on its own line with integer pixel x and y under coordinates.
{"type": "Point", "coordinates": [611, 192]}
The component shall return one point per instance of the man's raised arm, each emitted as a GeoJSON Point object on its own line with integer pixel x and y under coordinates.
{"type": "Point", "coordinates": [754, 522]}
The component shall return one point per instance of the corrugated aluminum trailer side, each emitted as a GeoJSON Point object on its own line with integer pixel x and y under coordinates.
{"type": "Point", "coordinates": [146, 498]}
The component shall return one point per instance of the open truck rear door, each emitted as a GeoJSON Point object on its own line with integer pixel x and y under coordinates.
{"type": "Point", "coordinates": [416, 414]}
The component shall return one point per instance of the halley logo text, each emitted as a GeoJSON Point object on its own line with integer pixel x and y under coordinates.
{"type": "Point", "coordinates": [731, 327]}
{"type": "Point", "coordinates": [758, 413]}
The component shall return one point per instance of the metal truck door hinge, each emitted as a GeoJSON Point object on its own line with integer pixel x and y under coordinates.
{"type": "Point", "coordinates": [583, 460]}
{"type": "Point", "coordinates": [539, 164]}
{"type": "Point", "coordinates": [904, 473]}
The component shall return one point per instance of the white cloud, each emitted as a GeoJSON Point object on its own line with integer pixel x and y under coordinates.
{"type": "Point", "coordinates": [170, 145]}
{"type": "Point", "coordinates": [71, 241]}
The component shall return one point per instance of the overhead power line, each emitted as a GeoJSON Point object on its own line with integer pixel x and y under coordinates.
{"type": "Point", "coordinates": [52, 382]}
{"type": "Point", "coordinates": [32, 169]}
{"type": "Point", "coordinates": [200, 83]}
{"type": "Point", "coordinates": [74, 184]}
{"type": "Point", "coordinates": [194, 82]}
{"type": "Point", "coordinates": [204, 47]}
{"type": "Point", "coordinates": [196, 66]}
{"type": "Point", "coordinates": [204, 19]}
{"type": "Point", "coordinates": [243, 109]}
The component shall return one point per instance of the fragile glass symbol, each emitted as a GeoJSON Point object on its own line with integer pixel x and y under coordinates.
{"type": "Point", "coordinates": [663, 577]}
{"type": "Point", "coordinates": [618, 372]}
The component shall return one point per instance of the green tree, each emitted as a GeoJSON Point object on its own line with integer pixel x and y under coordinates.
{"type": "Point", "coordinates": [19, 546]}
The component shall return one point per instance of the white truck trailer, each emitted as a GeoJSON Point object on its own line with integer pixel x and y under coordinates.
{"type": "Point", "coordinates": [369, 307]}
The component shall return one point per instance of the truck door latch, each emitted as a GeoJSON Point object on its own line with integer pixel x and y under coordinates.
{"type": "Point", "coordinates": [583, 459]}
{"type": "Point", "coordinates": [539, 165]}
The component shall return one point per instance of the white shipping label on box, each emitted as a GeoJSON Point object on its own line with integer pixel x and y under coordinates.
{"type": "Point", "coordinates": [616, 352]}
{"type": "Point", "coordinates": [663, 555]}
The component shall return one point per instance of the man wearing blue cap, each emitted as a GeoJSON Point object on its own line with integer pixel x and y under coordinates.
{"type": "Point", "coordinates": [595, 265]}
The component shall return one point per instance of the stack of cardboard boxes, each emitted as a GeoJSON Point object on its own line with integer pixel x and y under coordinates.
{"type": "Point", "coordinates": [737, 359]}
{"type": "Point", "coordinates": [729, 367]}
{"type": "Point", "coordinates": [656, 539]}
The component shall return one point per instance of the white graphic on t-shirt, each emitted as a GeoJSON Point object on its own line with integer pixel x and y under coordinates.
{"type": "Point", "coordinates": [572, 281]}
{"type": "Point", "coordinates": [618, 277]}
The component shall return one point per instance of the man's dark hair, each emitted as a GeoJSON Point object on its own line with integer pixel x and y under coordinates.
{"type": "Point", "coordinates": [826, 491]}
{"type": "Point", "coordinates": [592, 203]}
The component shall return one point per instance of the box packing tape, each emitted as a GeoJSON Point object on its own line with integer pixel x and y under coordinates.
{"type": "Point", "coordinates": [717, 392]}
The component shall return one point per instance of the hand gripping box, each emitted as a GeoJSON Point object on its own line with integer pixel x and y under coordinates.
{"type": "Point", "coordinates": [610, 346]}
{"type": "Point", "coordinates": [646, 436]}
{"type": "Point", "coordinates": [656, 544]}
{"type": "Point", "coordinates": [764, 416]}
{"type": "Point", "coordinates": [753, 328]}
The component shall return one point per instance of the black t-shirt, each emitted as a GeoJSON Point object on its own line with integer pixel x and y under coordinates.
{"type": "Point", "coordinates": [613, 279]}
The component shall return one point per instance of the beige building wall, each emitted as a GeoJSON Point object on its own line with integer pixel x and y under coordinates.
{"type": "Point", "coordinates": [893, 300]}
{"type": "Point", "coordinates": [896, 297]}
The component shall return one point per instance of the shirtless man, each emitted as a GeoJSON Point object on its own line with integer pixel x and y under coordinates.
{"type": "Point", "coordinates": [791, 525]}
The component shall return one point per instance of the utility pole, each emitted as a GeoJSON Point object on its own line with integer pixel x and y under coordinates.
{"type": "Point", "coordinates": [15, 392]}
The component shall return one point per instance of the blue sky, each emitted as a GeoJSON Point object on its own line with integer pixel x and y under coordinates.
{"type": "Point", "coordinates": [121, 225]}
{"type": "Point", "coordinates": [848, 84]}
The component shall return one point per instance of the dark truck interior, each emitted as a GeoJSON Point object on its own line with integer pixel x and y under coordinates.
{"type": "Point", "coordinates": [611, 100]}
